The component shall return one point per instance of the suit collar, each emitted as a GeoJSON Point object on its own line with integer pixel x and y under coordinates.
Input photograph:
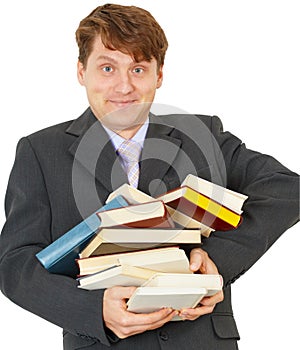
{"type": "Point", "coordinates": [80, 125]}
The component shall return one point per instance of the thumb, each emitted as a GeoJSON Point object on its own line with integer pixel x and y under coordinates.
{"type": "Point", "coordinates": [196, 260]}
{"type": "Point", "coordinates": [126, 292]}
{"type": "Point", "coordinates": [119, 292]}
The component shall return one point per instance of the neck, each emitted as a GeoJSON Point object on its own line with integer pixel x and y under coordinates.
{"type": "Point", "coordinates": [128, 133]}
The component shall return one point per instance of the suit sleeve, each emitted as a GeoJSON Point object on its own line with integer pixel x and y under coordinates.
{"type": "Point", "coordinates": [22, 278]}
{"type": "Point", "coordinates": [272, 206]}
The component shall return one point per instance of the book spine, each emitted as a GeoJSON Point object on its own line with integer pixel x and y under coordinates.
{"type": "Point", "coordinates": [74, 237]}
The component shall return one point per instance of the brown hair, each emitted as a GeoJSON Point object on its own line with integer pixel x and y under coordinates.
{"type": "Point", "coordinates": [129, 29]}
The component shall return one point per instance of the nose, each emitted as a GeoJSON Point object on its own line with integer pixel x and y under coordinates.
{"type": "Point", "coordinates": [124, 83]}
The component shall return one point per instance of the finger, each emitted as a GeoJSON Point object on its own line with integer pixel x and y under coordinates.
{"type": "Point", "coordinates": [119, 292]}
{"type": "Point", "coordinates": [212, 300]}
{"type": "Point", "coordinates": [147, 319]}
{"type": "Point", "coordinates": [196, 259]}
{"type": "Point", "coordinates": [193, 314]}
{"type": "Point", "coordinates": [129, 330]}
{"type": "Point", "coordinates": [162, 321]}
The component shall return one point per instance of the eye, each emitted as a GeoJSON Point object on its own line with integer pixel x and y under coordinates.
{"type": "Point", "coordinates": [107, 69]}
{"type": "Point", "coordinates": [138, 70]}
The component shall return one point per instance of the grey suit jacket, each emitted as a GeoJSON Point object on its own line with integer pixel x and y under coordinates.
{"type": "Point", "coordinates": [64, 173]}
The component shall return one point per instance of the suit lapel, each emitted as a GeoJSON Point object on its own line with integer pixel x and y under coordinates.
{"type": "Point", "coordinates": [159, 152]}
{"type": "Point", "coordinates": [93, 150]}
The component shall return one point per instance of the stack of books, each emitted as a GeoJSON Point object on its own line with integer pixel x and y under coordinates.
{"type": "Point", "coordinates": [197, 203]}
{"type": "Point", "coordinates": [136, 240]}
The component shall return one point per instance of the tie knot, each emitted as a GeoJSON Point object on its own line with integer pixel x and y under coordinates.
{"type": "Point", "coordinates": [130, 151]}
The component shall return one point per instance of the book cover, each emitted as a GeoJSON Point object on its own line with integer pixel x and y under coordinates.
{"type": "Point", "coordinates": [166, 290]}
{"type": "Point", "coordinates": [150, 299]}
{"type": "Point", "coordinates": [212, 283]}
{"type": "Point", "coordinates": [59, 257]}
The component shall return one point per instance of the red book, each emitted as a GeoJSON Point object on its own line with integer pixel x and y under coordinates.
{"type": "Point", "coordinates": [201, 208]}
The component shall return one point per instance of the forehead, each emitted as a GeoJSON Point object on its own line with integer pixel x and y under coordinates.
{"type": "Point", "coordinates": [101, 53]}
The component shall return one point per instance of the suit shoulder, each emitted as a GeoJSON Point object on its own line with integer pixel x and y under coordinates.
{"type": "Point", "coordinates": [50, 140]}
{"type": "Point", "coordinates": [50, 131]}
{"type": "Point", "coordinates": [209, 121]}
{"type": "Point", "coordinates": [67, 129]}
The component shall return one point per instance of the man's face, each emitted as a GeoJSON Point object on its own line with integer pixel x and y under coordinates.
{"type": "Point", "coordinates": [120, 91]}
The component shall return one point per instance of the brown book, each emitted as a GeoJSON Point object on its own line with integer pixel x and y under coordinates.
{"type": "Point", "coordinates": [151, 214]}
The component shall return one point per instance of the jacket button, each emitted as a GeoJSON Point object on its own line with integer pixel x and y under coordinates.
{"type": "Point", "coordinates": [163, 336]}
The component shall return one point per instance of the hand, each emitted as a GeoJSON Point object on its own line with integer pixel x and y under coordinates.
{"type": "Point", "coordinates": [124, 323]}
{"type": "Point", "coordinates": [200, 261]}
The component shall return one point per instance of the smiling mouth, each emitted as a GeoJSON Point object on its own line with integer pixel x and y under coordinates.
{"type": "Point", "coordinates": [122, 103]}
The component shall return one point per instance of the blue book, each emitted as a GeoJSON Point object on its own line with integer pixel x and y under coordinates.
{"type": "Point", "coordinates": [60, 256]}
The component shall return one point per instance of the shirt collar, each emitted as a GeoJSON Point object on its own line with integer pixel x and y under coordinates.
{"type": "Point", "coordinates": [138, 137]}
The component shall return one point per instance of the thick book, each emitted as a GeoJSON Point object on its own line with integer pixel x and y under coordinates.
{"type": "Point", "coordinates": [173, 290]}
{"type": "Point", "coordinates": [226, 197]}
{"type": "Point", "coordinates": [117, 275]}
{"type": "Point", "coordinates": [151, 214]}
{"type": "Point", "coordinates": [135, 196]}
{"type": "Point", "coordinates": [150, 299]}
{"type": "Point", "coordinates": [109, 240]}
{"type": "Point", "coordinates": [201, 208]}
{"type": "Point", "coordinates": [213, 283]}
{"type": "Point", "coordinates": [166, 259]}
{"type": "Point", "coordinates": [59, 257]}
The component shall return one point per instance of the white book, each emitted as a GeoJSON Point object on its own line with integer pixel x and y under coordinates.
{"type": "Point", "coordinates": [131, 194]}
{"type": "Point", "coordinates": [168, 259]}
{"type": "Point", "coordinates": [118, 275]}
{"type": "Point", "coordinates": [150, 299]}
{"type": "Point", "coordinates": [212, 283]}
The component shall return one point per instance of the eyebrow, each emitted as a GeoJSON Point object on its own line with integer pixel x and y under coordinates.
{"type": "Point", "coordinates": [106, 58]}
{"type": "Point", "coordinates": [111, 59]}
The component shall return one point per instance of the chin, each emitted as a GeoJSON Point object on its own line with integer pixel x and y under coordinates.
{"type": "Point", "coordinates": [128, 117]}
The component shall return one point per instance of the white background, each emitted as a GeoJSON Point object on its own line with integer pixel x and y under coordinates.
{"type": "Point", "coordinates": [236, 59]}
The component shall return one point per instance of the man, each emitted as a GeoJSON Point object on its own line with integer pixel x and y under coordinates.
{"type": "Point", "coordinates": [65, 172]}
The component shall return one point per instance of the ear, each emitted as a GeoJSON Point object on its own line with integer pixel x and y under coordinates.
{"type": "Point", "coordinates": [159, 77]}
{"type": "Point", "coordinates": [80, 73]}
